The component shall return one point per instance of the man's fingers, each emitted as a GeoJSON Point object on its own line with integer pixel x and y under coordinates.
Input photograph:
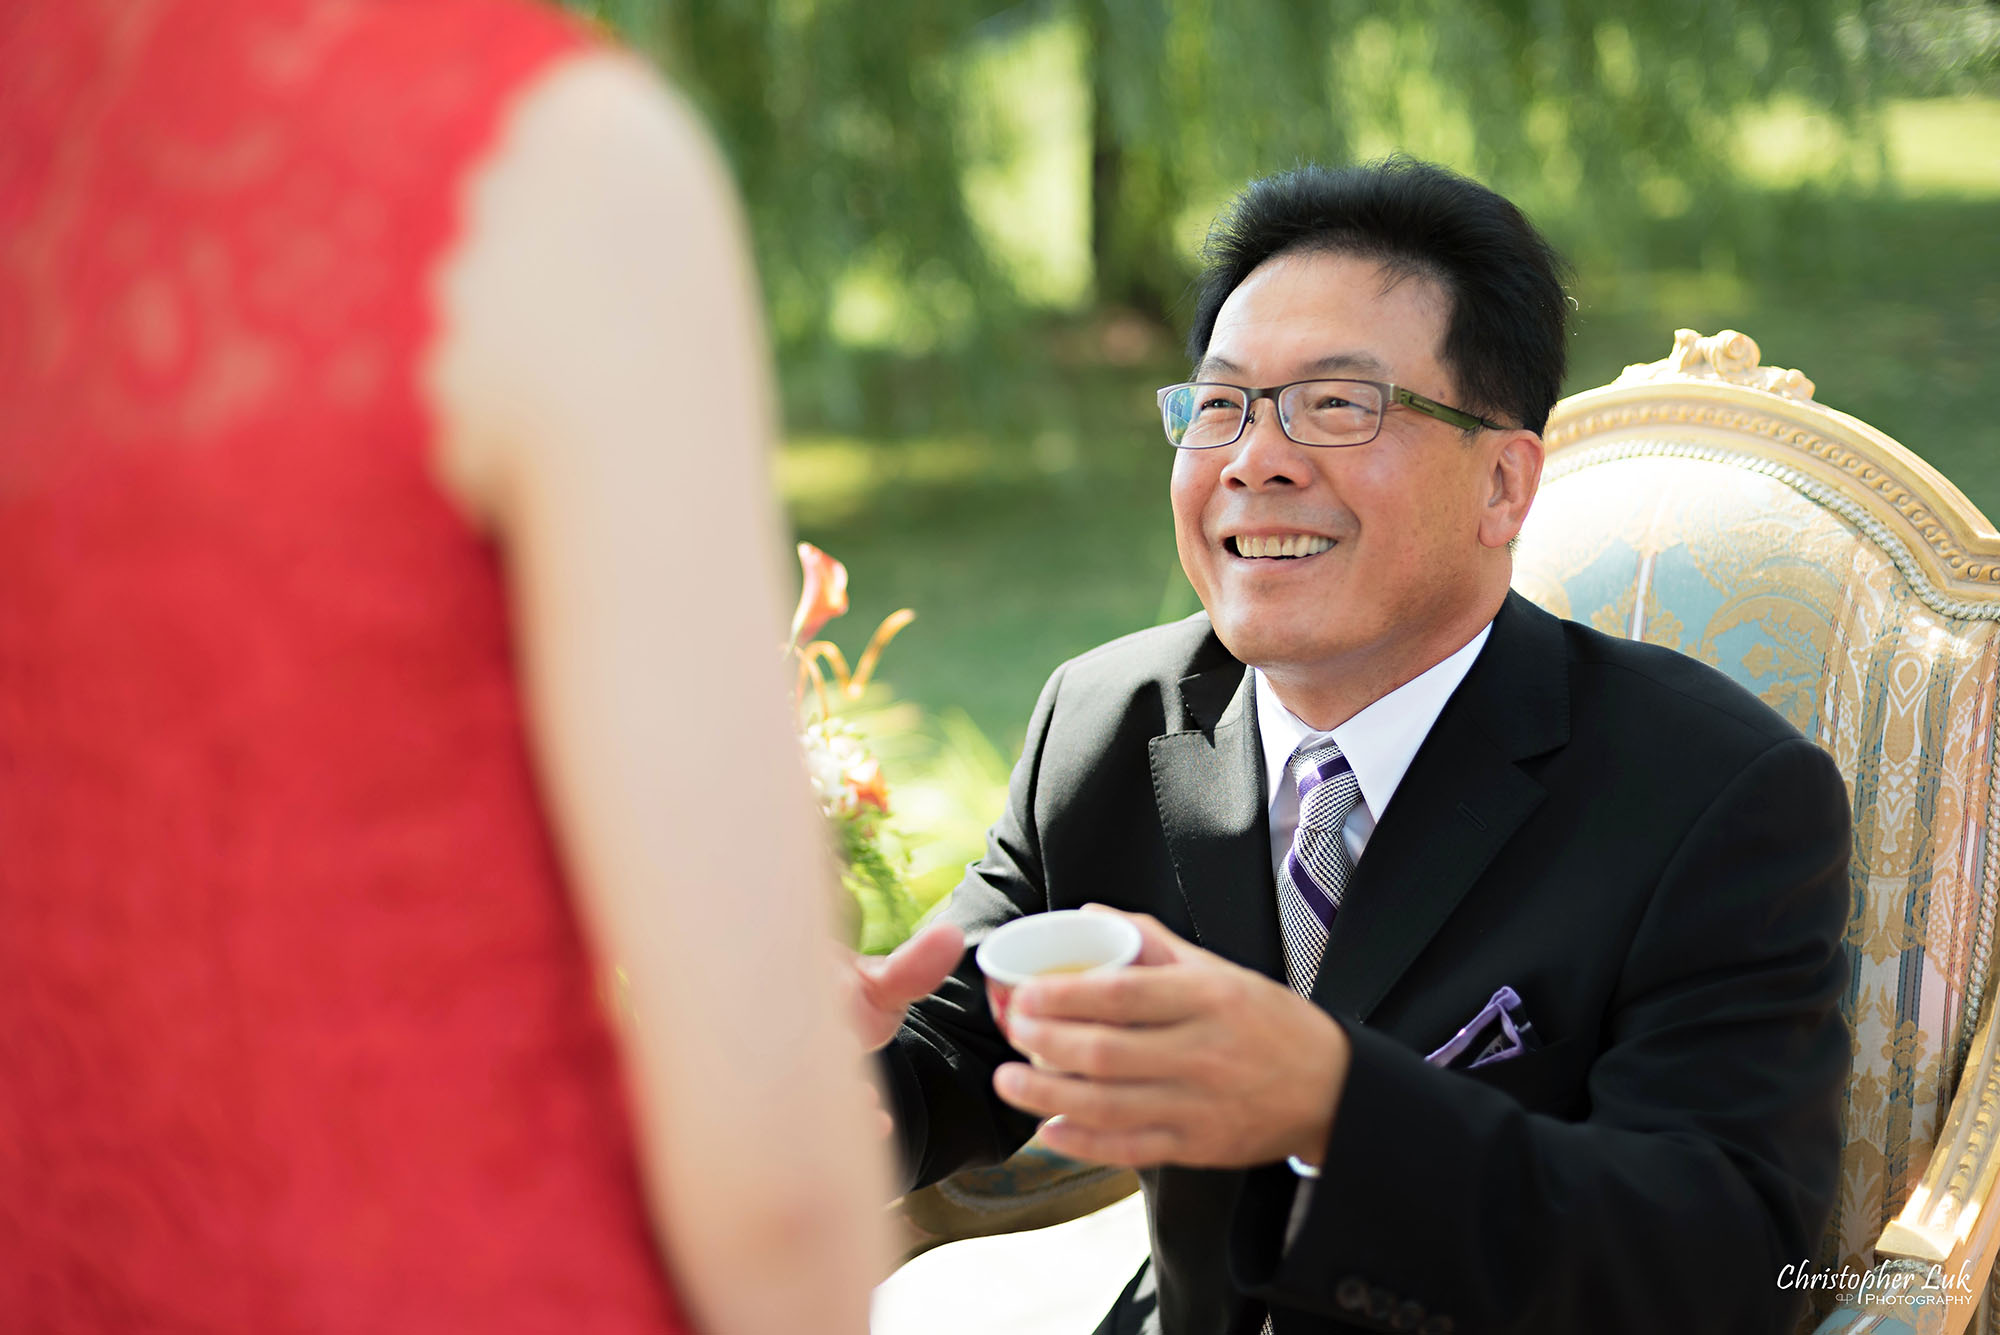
{"type": "Point", "coordinates": [1094, 1103]}
{"type": "Point", "coordinates": [1099, 1051]}
{"type": "Point", "coordinates": [915, 968]}
{"type": "Point", "coordinates": [1105, 1123]}
{"type": "Point", "coordinates": [1139, 1148]}
{"type": "Point", "coordinates": [1124, 996]}
{"type": "Point", "coordinates": [884, 988]}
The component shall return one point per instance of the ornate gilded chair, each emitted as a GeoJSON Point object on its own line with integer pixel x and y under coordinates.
{"type": "Point", "coordinates": [1708, 503]}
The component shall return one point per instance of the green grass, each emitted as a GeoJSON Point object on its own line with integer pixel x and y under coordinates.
{"type": "Point", "coordinates": [1019, 548]}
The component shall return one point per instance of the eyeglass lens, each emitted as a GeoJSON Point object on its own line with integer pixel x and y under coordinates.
{"type": "Point", "coordinates": [1314, 412]}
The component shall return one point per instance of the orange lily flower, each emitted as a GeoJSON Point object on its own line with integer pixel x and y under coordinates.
{"type": "Point", "coordinates": [824, 596]}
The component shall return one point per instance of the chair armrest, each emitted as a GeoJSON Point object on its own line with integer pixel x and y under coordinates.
{"type": "Point", "coordinates": [1950, 1228]}
{"type": "Point", "coordinates": [1034, 1189]}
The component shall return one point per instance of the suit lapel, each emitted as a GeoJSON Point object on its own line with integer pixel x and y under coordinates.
{"type": "Point", "coordinates": [1208, 781]}
{"type": "Point", "coordinates": [1460, 802]}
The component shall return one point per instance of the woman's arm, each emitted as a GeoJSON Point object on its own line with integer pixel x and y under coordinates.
{"type": "Point", "coordinates": [606, 408]}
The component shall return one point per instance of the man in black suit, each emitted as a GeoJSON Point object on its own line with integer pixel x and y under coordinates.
{"type": "Point", "coordinates": [1492, 965]}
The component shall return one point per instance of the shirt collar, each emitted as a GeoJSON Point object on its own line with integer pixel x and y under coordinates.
{"type": "Point", "coordinates": [1381, 740]}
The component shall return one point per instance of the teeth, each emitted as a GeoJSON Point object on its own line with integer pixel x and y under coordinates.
{"type": "Point", "coordinates": [1291, 544]}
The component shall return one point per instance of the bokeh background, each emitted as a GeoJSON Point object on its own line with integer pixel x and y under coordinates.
{"type": "Point", "coordinates": [976, 225]}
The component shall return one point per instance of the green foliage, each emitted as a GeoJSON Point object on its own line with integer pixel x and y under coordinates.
{"type": "Point", "coordinates": [841, 121]}
{"type": "Point", "coordinates": [1930, 48]}
{"type": "Point", "coordinates": [875, 878]}
{"type": "Point", "coordinates": [947, 783]}
{"type": "Point", "coordinates": [871, 138]}
{"type": "Point", "coordinates": [948, 799]}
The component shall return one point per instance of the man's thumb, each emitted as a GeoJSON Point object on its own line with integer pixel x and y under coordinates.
{"type": "Point", "coordinates": [917, 966]}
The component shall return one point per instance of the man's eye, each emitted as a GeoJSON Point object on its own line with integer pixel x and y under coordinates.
{"type": "Point", "coordinates": [1327, 403]}
{"type": "Point", "coordinates": [1220, 404]}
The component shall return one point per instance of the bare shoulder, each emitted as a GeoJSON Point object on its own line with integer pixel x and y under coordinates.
{"type": "Point", "coordinates": [597, 109]}
{"type": "Point", "coordinates": [602, 218]}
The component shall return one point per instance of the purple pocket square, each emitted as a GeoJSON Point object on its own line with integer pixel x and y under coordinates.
{"type": "Point", "coordinates": [1499, 1032]}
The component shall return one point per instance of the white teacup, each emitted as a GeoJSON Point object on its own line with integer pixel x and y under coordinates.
{"type": "Point", "coordinates": [1060, 941]}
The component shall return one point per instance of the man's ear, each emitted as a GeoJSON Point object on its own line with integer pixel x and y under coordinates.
{"type": "Point", "coordinates": [1516, 475]}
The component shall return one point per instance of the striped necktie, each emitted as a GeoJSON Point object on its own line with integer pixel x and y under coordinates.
{"type": "Point", "coordinates": [1316, 869]}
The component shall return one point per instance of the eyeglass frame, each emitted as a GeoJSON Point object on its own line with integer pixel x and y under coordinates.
{"type": "Point", "coordinates": [1391, 394]}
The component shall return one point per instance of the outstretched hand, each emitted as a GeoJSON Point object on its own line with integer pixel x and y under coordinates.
{"type": "Point", "coordinates": [1184, 1058]}
{"type": "Point", "coordinates": [886, 986]}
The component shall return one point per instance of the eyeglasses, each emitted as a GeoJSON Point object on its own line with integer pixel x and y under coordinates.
{"type": "Point", "coordinates": [1204, 414]}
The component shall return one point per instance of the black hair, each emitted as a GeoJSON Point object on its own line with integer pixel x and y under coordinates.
{"type": "Point", "coordinates": [1504, 341]}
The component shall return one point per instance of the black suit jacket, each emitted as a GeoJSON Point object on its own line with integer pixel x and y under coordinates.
{"type": "Point", "coordinates": [1651, 858]}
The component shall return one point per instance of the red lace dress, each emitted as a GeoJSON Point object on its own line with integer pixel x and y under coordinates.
{"type": "Point", "coordinates": [297, 1031]}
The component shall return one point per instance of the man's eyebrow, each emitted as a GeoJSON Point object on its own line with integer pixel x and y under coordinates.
{"type": "Point", "coordinates": [1349, 361]}
{"type": "Point", "coordinates": [1336, 363]}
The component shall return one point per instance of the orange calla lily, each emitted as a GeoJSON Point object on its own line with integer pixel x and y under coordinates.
{"type": "Point", "coordinates": [824, 596]}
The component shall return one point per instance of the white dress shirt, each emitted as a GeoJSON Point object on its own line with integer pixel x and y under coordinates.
{"type": "Point", "coordinates": [1379, 742]}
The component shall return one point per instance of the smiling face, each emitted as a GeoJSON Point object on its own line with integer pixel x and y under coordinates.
{"type": "Point", "coordinates": [1345, 572]}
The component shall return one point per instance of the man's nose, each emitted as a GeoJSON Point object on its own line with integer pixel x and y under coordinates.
{"type": "Point", "coordinates": [1264, 456]}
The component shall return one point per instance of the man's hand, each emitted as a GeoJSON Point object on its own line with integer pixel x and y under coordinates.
{"type": "Point", "coordinates": [1184, 1058]}
{"type": "Point", "coordinates": [885, 987]}
{"type": "Point", "coordinates": [880, 990]}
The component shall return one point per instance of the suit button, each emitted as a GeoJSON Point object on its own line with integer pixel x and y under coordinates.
{"type": "Point", "coordinates": [1381, 1303]}
{"type": "Point", "coordinates": [1407, 1317]}
{"type": "Point", "coordinates": [1351, 1294]}
{"type": "Point", "coordinates": [1437, 1325]}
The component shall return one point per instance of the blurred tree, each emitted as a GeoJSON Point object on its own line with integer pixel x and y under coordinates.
{"type": "Point", "coordinates": [1133, 190]}
{"type": "Point", "coordinates": [847, 122]}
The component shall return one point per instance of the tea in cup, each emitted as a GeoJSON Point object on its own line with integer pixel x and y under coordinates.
{"type": "Point", "coordinates": [1058, 942]}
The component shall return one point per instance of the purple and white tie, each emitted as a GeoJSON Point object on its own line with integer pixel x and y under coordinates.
{"type": "Point", "coordinates": [1317, 867]}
